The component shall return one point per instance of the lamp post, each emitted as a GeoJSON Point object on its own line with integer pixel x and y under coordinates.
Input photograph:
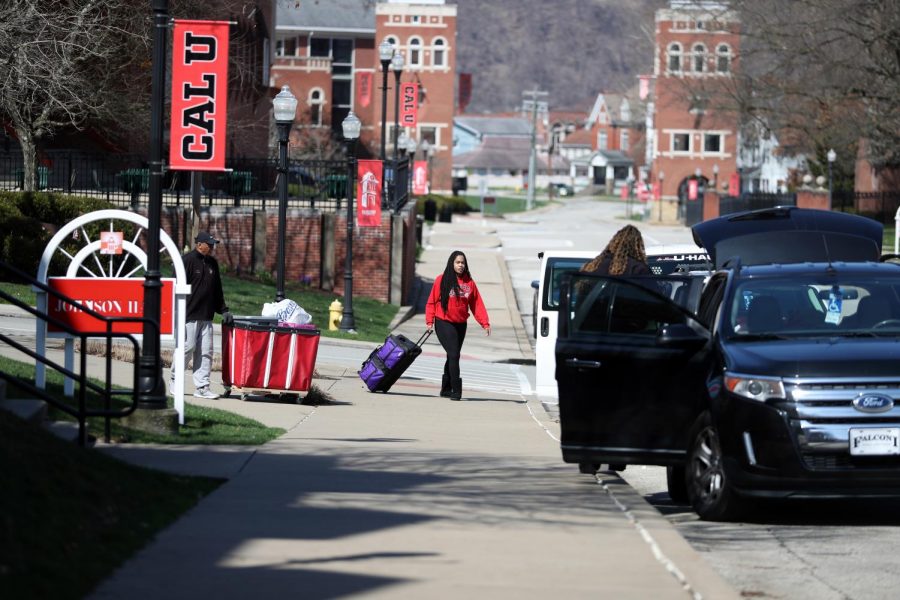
{"type": "Point", "coordinates": [397, 68]}
{"type": "Point", "coordinates": [385, 52]}
{"type": "Point", "coordinates": [284, 105]}
{"type": "Point", "coordinates": [662, 177]}
{"type": "Point", "coordinates": [716, 176]}
{"type": "Point", "coordinates": [411, 146]}
{"type": "Point", "coordinates": [151, 389]}
{"type": "Point", "coordinates": [832, 156]}
{"type": "Point", "coordinates": [351, 126]}
{"type": "Point", "coordinates": [426, 151]}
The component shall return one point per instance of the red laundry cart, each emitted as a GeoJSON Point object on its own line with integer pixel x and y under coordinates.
{"type": "Point", "coordinates": [258, 355]}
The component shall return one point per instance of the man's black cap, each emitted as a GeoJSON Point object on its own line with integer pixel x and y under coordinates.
{"type": "Point", "coordinates": [205, 237]}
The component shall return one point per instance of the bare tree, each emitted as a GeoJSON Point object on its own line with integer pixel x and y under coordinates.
{"type": "Point", "coordinates": [821, 73]}
{"type": "Point", "coordinates": [64, 62]}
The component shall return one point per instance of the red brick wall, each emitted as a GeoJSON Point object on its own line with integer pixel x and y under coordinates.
{"type": "Point", "coordinates": [303, 245]}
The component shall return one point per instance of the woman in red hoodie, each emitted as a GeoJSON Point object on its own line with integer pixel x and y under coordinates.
{"type": "Point", "coordinates": [453, 294]}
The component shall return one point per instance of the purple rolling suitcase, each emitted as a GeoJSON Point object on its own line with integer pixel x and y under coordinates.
{"type": "Point", "coordinates": [388, 361]}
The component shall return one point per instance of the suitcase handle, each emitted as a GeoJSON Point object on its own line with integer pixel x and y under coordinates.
{"type": "Point", "coordinates": [424, 337]}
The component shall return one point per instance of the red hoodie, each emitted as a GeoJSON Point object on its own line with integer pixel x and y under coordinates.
{"type": "Point", "coordinates": [457, 306]}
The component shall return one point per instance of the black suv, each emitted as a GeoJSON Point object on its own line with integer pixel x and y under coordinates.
{"type": "Point", "coordinates": [779, 380]}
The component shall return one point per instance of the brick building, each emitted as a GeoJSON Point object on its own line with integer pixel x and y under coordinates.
{"type": "Point", "coordinates": [696, 55]}
{"type": "Point", "coordinates": [327, 53]}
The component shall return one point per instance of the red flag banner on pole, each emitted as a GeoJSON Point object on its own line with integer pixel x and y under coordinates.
{"type": "Point", "coordinates": [409, 104]}
{"type": "Point", "coordinates": [693, 189]}
{"type": "Point", "coordinates": [734, 185]}
{"type": "Point", "coordinates": [420, 177]}
{"type": "Point", "coordinates": [368, 193]}
{"type": "Point", "coordinates": [465, 91]}
{"type": "Point", "coordinates": [364, 87]}
{"type": "Point", "coordinates": [199, 95]}
{"type": "Point", "coordinates": [657, 190]}
{"type": "Point", "coordinates": [623, 193]}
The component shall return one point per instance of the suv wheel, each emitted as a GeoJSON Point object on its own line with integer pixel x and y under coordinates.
{"type": "Point", "coordinates": [708, 487]}
{"type": "Point", "coordinates": [677, 484]}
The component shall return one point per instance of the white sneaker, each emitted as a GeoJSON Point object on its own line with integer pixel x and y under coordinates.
{"type": "Point", "coordinates": [205, 392]}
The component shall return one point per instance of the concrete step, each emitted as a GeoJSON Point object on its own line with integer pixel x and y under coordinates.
{"type": "Point", "coordinates": [65, 430]}
{"type": "Point", "coordinates": [33, 411]}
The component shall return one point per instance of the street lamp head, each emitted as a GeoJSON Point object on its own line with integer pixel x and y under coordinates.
{"type": "Point", "coordinates": [403, 141]}
{"type": "Point", "coordinates": [397, 63]}
{"type": "Point", "coordinates": [662, 175]}
{"type": "Point", "coordinates": [698, 172]}
{"type": "Point", "coordinates": [426, 147]}
{"type": "Point", "coordinates": [411, 145]}
{"type": "Point", "coordinates": [385, 52]}
{"type": "Point", "coordinates": [351, 126]}
{"type": "Point", "coordinates": [716, 169]}
{"type": "Point", "coordinates": [284, 105]}
{"type": "Point", "coordinates": [832, 155]}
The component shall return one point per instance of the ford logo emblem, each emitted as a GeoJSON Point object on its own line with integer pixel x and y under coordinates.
{"type": "Point", "coordinates": [873, 403]}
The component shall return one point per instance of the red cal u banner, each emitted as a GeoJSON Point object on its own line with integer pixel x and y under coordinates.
{"type": "Point", "coordinates": [111, 297]}
{"type": "Point", "coordinates": [368, 193]}
{"type": "Point", "coordinates": [409, 104]}
{"type": "Point", "coordinates": [364, 87]}
{"type": "Point", "coordinates": [199, 95]}
{"type": "Point", "coordinates": [693, 189]}
{"type": "Point", "coordinates": [420, 177]}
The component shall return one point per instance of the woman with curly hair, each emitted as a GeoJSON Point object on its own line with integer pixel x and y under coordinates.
{"type": "Point", "coordinates": [453, 294]}
{"type": "Point", "coordinates": [623, 255]}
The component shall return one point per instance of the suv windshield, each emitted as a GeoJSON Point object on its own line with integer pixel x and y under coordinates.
{"type": "Point", "coordinates": [806, 305]}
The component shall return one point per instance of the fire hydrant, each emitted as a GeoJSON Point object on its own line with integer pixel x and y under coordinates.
{"type": "Point", "coordinates": [335, 310]}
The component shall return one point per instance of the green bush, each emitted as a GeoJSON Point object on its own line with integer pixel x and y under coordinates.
{"type": "Point", "coordinates": [29, 219]}
{"type": "Point", "coordinates": [457, 204]}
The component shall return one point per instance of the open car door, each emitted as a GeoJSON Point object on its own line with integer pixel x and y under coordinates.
{"type": "Point", "coordinates": [630, 368]}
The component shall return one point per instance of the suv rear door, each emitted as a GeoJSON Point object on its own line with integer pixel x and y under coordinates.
{"type": "Point", "coordinates": [630, 368]}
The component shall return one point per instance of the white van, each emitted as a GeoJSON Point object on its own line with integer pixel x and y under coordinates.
{"type": "Point", "coordinates": [663, 260]}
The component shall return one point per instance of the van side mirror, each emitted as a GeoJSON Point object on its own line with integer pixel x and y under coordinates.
{"type": "Point", "coordinates": [680, 335]}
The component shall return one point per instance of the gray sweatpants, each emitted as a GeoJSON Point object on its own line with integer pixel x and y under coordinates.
{"type": "Point", "coordinates": [198, 345]}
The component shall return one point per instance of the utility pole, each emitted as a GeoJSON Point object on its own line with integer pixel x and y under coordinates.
{"type": "Point", "coordinates": [532, 103]}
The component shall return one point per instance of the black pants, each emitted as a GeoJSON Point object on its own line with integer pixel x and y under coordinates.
{"type": "Point", "coordinates": [451, 336]}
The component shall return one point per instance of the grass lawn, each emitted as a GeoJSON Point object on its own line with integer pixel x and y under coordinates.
{"type": "Point", "coordinates": [246, 296]}
{"type": "Point", "coordinates": [503, 204]}
{"type": "Point", "coordinates": [202, 425]}
{"type": "Point", "coordinates": [71, 515]}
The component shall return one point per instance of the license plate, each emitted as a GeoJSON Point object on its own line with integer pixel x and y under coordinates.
{"type": "Point", "coordinates": [875, 441]}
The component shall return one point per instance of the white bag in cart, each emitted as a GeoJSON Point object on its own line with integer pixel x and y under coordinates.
{"type": "Point", "coordinates": [286, 311]}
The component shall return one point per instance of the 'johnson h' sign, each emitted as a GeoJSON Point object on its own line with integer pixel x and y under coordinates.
{"type": "Point", "coordinates": [110, 297]}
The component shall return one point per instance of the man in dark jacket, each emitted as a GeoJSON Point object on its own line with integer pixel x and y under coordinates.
{"type": "Point", "coordinates": [205, 300]}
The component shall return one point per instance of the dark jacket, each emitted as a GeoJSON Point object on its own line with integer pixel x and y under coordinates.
{"type": "Point", "coordinates": [206, 297]}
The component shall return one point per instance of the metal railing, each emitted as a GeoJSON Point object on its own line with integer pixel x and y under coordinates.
{"type": "Point", "coordinates": [81, 410]}
{"type": "Point", "coordinates": [124, 181]}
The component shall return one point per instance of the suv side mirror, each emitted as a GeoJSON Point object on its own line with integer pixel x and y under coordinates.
{"type": "Point", "coordinates": [680, 335]}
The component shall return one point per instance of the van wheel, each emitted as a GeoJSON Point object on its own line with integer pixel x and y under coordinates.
{"type": "Point", "coordinates": [588, 468]}
{"type": "Point", "coordinates": [677, 484]}
{"type": "Point", "coordinates": [708, 487]}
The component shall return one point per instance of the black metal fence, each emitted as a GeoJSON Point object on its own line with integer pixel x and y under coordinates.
{"type": "Point", "coordinates": [124, 180]}
{"type": "Point", "coordinates": [881, 206]}
{"type": "Point", "coordinates": [693, 209]}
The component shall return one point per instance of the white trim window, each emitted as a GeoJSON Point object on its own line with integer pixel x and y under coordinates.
{"type": "Point", "coordinates": [680, 142]}
{"type": "Point", "coordinates": [674, 56]}
{"type": "Point", "coordinates": [623, 140]}
{"type": "Point", "coordinates": [723, 59]}
{"type": "Point", "coordinates": [700, 58]}
{"type": "Point", "coordinates": [712, 143]}
{"type": "Point", "coordinates": [602, 140]}
{"type": "Point", "coordinates": [414, 53]}
{"type": "Point", "coordinates": [439, 52]}
{"type": "Point", "coordinates": [316, 102]}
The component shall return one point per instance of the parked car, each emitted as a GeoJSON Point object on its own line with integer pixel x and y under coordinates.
{"type": "Point", "coordinates": [780, 382]}
{"type": "Point", "coordinates": [563, 189]}
{"type": "Point", "coordinates": [555, 264]}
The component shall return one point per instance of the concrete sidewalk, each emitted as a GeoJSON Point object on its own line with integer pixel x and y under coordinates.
{"type": "Point", "coordinates": [406, 495]}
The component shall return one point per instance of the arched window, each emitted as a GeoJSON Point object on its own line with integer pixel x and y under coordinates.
{"type": "Point", "coordinates": [699, 58]}
{"type": "Point", "coordinates": [723, 59]}
{"type": "Point", "coordinates": [315, 100]}
{"type": "Point", "coordinates": [415, 52]}
{"type": "Point", "coordinates": [674, 61]}
{"type": "Point", "coordinates": [438, 52]}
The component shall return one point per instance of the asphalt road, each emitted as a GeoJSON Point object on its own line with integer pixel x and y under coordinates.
{"type": "Point", "coordinates": [798, 551]}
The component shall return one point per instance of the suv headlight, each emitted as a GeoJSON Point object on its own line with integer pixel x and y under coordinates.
{"type": "Point", "coordinates": [755, 388]}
